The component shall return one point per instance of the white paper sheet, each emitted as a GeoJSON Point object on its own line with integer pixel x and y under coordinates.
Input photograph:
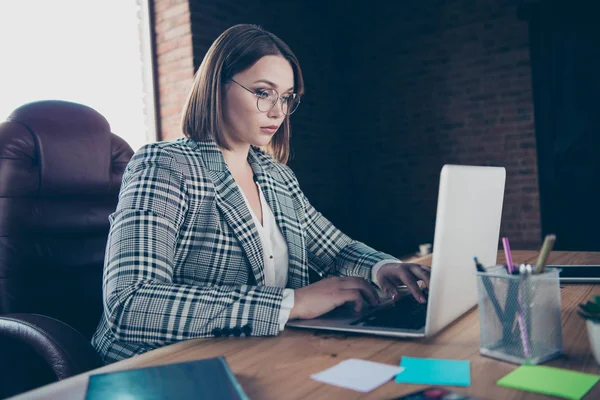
{"type": "Point", "coordinates": [360, 375]}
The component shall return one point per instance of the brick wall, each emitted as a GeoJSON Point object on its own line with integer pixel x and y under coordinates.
{"type": "Point", "coordinates": [393, 93]}
{"type": "Point", "coordinates": [174, 62]}
{"type": "Point", "coordinates": [450, 83]}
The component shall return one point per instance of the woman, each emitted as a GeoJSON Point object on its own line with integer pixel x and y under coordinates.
{"type": "Point", "coordinates": [212, 236]}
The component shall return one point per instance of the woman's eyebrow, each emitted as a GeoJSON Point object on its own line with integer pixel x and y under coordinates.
{"type": "Point", "coordinates": [270, 83]}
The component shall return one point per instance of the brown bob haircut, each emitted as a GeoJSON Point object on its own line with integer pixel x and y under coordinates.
{"type": "Point", "coordinates": [234, 51]}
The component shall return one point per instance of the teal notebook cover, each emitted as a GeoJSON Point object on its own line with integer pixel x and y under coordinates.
{"type": "Point", "coordinates": [201, 379]}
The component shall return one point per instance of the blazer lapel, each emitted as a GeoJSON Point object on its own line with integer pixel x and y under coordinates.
{"type": "Point", "coordinates": [231, 204]}
{"type": "Point", "coordinates": [280, 201]}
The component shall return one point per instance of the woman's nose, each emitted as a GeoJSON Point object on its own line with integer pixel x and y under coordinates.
{"type": "Point", "coordinates": [277, 109]}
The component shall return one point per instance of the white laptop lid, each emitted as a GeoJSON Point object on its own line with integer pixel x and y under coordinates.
{"type": "Point", "coordinates": [467, 225]}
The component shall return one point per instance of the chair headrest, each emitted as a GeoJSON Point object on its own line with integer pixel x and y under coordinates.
{"type": "Point", "coordinates": [60, 148]}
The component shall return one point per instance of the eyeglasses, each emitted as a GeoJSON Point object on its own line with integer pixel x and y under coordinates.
{"type": "Point", "coordinates": [267, 98]}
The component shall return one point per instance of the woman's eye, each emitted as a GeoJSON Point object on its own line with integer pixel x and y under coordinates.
{"type": "Point", "coordinates": [262, 94]}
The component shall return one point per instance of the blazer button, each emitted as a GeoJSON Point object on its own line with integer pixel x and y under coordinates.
{"type": "Point", "coordinates": [247, 329]}
{"type": "Point", "coordinates": [236, 331]}
{"type": "Point", "coordinates": [226, 331]}
{"type": "Point", "coordinates": [217, 332]}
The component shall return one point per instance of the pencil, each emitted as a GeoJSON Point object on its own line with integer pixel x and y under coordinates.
{"type": "Point", "coordinates": [540, 265]}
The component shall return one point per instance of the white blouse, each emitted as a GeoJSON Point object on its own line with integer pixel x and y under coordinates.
{"type": "Point", "coordinates": [275, 253]}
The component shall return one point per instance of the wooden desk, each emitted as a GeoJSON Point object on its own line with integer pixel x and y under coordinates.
{"type": "Point", "coordinates": [280, 367]}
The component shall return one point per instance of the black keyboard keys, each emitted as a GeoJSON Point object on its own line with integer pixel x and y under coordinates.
{"type": "Point", "coordinates": [406, 313]}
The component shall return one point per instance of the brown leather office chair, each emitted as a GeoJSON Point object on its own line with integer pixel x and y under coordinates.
{"type": "Point", "coordinates": [60, 173]}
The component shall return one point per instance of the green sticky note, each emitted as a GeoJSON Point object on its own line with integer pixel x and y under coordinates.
{"type": "Point", "coordinates": [550, 381]}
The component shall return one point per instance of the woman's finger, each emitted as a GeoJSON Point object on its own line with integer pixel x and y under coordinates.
{"type": "Point", "coordinates": [420, 274]}
{"type": "Point", "coordinates": [352, 295]}
{"type": "Point", "coordinates": [368, 291]}
{"type": "Point", "coordinates": [405, 276]}
{"type": "Point", "coordinates": [389, 287]}
{"type": "Point", "coordinates": [411, 265]}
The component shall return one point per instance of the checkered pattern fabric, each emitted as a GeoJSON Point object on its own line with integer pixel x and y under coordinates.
{"type": "Point", "coordinates": [184, 259]}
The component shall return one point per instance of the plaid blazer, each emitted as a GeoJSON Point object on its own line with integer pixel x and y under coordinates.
{"type": "Point", "coordinates": [184, 258]}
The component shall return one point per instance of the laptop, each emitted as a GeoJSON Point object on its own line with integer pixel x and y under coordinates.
{"type": "Point", "coordinates": [469, 212]}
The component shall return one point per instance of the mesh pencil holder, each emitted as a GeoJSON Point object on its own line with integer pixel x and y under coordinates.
{"type": "Point", "coordinates": [519, 315]}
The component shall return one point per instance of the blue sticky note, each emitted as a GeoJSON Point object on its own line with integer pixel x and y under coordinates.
{"type": "Point", "coordinates": [431, 371]}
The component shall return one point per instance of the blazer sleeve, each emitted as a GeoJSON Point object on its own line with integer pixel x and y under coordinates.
{"type": "Point", "coordinates": [141, 302]}
{"type": "Point", "coordinates": [330, 251]}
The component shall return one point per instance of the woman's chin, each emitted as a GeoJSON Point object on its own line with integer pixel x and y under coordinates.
{"type": "Point", "coordinates": [262, 142]}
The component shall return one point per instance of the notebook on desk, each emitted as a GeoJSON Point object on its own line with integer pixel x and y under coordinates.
{"type": "Point", "coordinates": [209, 379]}
{"type": "Point", "coordinates": [468, 219]}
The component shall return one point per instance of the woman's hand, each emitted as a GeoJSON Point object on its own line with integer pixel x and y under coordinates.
{"type": "Point", "coordinates": [323, 296]}
{"type": "Point", "coordinates": [390, 276]}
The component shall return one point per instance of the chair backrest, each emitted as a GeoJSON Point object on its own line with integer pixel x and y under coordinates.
{"type": "Point", "coordinates": [60, 174]}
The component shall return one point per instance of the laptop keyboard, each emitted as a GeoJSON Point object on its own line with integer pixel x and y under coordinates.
{"type": "Point", "coordinates": [406, 313]}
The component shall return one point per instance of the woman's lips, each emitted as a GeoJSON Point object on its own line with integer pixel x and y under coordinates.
{"type": "Point", "coordinates": [269, 129]}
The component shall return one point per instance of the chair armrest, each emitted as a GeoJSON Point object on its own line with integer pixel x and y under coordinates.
{"type": "Point", "coordinates": [66, 351]}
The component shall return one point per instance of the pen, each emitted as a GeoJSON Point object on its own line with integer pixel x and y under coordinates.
{"type": "Point", "coordinates": [478, 265]}
{"type": "Point", "coordinates": [540, 265]}
{"type": "Point", "coordinates": [513, 287]}
{"type": "Point", "coordinates": [524, 336]}
{"type": "Point", "coordinates": [490, 290]}
{"type": "Point", "coordinates": [524, 272]}
{"type": "Point", "coordinates": [509, 261]}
